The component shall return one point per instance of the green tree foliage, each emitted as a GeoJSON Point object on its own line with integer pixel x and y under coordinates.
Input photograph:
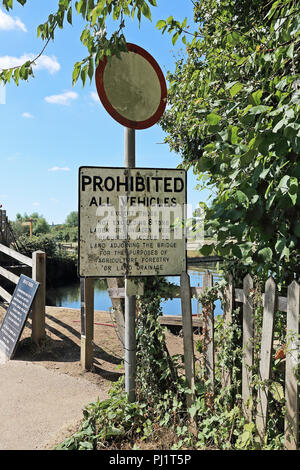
{"type": "Point", "coordinates": [43, 242]}
{"type": "Point", "coordinates": [39, 224]}
{"type": "Point", "coordinates": [72, 219]}
{"type": "Point", "coordinates": [233, 115]}
{"type": "Point", "coordinates": [95, 14]}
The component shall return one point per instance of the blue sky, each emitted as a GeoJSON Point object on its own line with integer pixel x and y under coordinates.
{"type": "Point", "coordinates": [49, 128]}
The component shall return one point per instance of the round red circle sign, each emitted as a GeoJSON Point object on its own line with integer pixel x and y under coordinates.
{"type": "Point", "coordinates": [132, 88]}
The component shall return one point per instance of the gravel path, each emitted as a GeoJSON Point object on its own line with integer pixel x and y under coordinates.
{"type": "Point", "coordinates": [39, 407]}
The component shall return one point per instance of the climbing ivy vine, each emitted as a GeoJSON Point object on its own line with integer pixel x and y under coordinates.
{"type": "Point", "coordinates": [234, 117]}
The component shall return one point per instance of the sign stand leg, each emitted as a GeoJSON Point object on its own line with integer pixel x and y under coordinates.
{"type": "Point", "coordinates": [130, 300]}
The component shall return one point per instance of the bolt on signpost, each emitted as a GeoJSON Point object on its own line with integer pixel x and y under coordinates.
{"type": "Point", "coordinates": [133, 91]}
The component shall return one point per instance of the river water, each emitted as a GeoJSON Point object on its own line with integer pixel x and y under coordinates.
{"type": "Point", "coordinates": [69, 296]}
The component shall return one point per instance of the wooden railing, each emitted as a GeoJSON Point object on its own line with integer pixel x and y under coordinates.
{"type": "Point", "coordinates": [38, 267]}
{"type": "Point", "coordinates": [6, 234]}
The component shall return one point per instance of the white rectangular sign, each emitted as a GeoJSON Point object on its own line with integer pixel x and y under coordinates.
{"type": "Point", "coordinates": [131, 222]}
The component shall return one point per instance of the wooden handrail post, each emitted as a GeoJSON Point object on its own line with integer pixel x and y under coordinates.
{"type": "Point", "coordinates": [87, 323]}
{"type": "Point", "coordinates": [38, 309]}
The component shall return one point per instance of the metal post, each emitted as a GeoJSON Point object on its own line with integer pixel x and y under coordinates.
{"type": "Point", "coordinates": [130, 300]}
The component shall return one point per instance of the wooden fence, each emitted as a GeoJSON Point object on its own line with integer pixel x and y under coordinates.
{"type": "Point", "coordinates": [6, 234]}
{"type": "Point", "coordinates": [272, 302]}
{"type": "Point", "coordinates": [38, 266]}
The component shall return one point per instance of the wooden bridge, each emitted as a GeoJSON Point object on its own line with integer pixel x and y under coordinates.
{"type": "Point", "coordinates": [37, 266]}
{"type": "Point", "coordinates": [6, 233]}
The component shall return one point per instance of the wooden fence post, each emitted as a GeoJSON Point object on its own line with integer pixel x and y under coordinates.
{"type": "Point", "coordinates": [228, 308]}
{"type": "Point", "coordinates": [266, 356]}
{"type": "Point", "coordinates": [38, 332]}
{"type": "Point", "coordinates": [291, 425]}
{"type": "Point", "coordinates": [210, 357]}
{"type": "Point", "coordinates": [247, 363]}
{"type": "Point", "coordinates": [188, 344]}
{"type": "Point", "coordinates": [118, 311]}
{"type": "Point", "coordinates": [87, 322]}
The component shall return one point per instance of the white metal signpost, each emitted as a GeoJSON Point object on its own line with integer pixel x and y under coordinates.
{"type": "Point", "coordinates": [130, 218]}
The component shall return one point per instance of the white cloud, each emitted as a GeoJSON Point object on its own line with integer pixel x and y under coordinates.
{"type": "Point", "coordinates": [63, 98]}
{"type": "Point", "coordinates": [59, 168]}
{"type": "Point", "coordinates": [49, 63]}
{"type": "Point", "coordinates": [7, 23]}
{"type": "Point", "coordinates": [27, 115]}
{"type": "Point", "coordinates": [95, 97]}
{"type": "Point", "coordinates": [36, 204]}
{"type": "Point", "coordinates": [45, 62]}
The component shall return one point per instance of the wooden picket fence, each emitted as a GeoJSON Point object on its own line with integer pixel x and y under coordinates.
{"type": "Point", "coordinates": [230, 295]}
{"type": "Point", "coordinates": [272, 303]}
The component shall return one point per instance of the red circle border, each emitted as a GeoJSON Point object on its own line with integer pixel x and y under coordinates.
{"type": "Point", "coordinates": [112, 111]}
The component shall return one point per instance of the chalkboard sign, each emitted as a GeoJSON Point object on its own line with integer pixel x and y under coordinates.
{"type": "Point", "coordinates": [17, 314]}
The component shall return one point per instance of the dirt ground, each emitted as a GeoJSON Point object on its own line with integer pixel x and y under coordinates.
{"type": "Point", "coordinates": [60, 352]}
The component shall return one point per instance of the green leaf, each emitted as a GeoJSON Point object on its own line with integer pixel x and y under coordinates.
{"type": "Point", "coordinates": [76, 72]}
{"type": "Point", "coordinates": [265, 254]}
{"type": "Point", "coordinates": [293, 189]}
{"type": "Point", "coordinates": [235, 89]}
{"type": "Point", "coordinates": [91, 69]}
{"type": "Point", "coordinates": [297, 229]}
{"type": "Point", "coordinates": [86, 445]}
{"type": "Point", "coordinates": [279, 125]}
{"type": "Point", "coordinates": [259, 109]}
{"type": "Point", "coordinates": [174, 38]}
{"type": "Point", "coordinates": [69, 15]}
{"type": "Point", "coordinates": [283, 183]}
{"type": "Point", "coordinates": [236, 250]}
{"type": "Point", "coordinates": [146, 11]}
{"type": "Point", "coordinates": [160, 24]}
{"type": "Point", "coordinates": [256, 97]}
{"type": "Point", "coordinates": [206, 250]}
{"type": "Point", "coordinates": [277, 391]}
{"type": "Point", "coordinates": [83, 74]}
{"type": "Point", "coordinates": [241, 197]}
{"type": "Point", "coordinates": [113, 431]}
{"type": "Point", "coordinates": [290, 51]}
{"type": "Point", "coordinates": [213, 119]}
